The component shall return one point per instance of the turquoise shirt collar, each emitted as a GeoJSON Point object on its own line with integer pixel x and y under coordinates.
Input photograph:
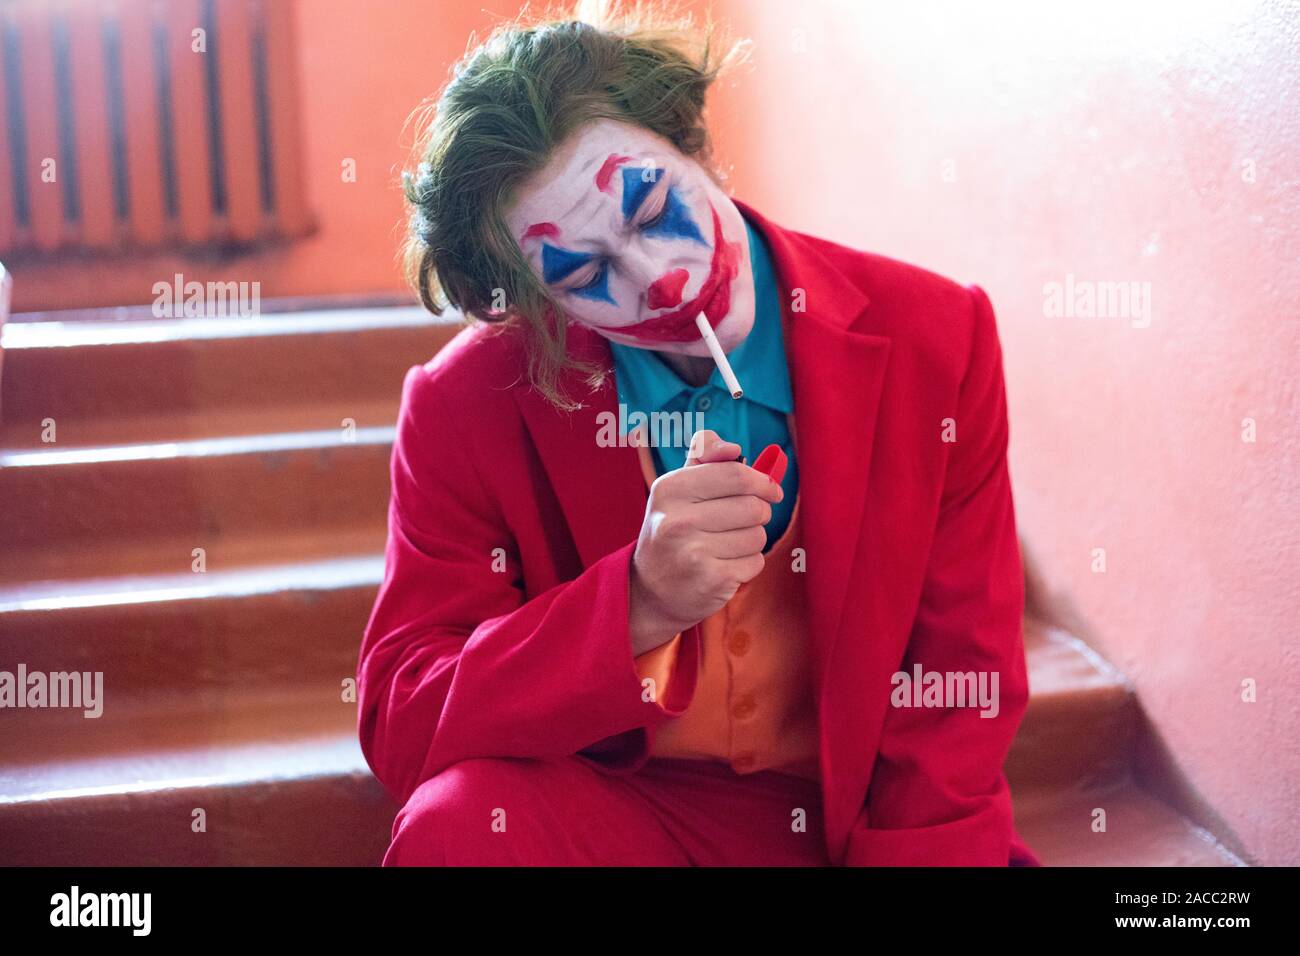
{"type": "Point", "coordinates": [645, 383]}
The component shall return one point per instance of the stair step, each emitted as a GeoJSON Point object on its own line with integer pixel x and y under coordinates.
{"type": "Point", "coordinates": [1140, 829]}
{"type": "Point", "coordinates": [286, 729]}
{"type": "Point", "coordinates": [198, 634]}
{"type": "Point", "coordinates": [114, 567]}
{"type": "Point", "coordinates": [201, 491]}
{"type": "Point", "coordinates": [75, 370]}
{"type": "Point", "coordinates": [281, 780]}
{"type": "Point", "coordinates": [126, 437]}
{"type": "Point", "coordinates": [1082, 716]}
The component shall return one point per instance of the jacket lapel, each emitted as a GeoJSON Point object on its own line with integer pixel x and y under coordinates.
{"type": "Point", "coordinates": [601, 490]}
{"type": "Point", "coordinates": [837, 376]}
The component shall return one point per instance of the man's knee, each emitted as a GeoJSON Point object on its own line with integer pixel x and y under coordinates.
{"type": "Point", "coordinates": [450, 818]}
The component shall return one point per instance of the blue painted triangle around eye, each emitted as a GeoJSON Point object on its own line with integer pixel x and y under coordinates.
{"type": "Point", "coordinates": [558, 262]}
{"type": "Point", "coordinates": [676, 221]}
{"type": "Point", "coordinates": [636, 186]}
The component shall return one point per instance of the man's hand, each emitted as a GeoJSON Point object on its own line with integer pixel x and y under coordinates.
{"type": "Point", "coordinates": [702, 538]}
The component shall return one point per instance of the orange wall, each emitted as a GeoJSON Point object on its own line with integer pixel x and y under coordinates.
{"type": "Point", "coordinates": [1111, 141]}
{"type": "Point", "coordinates": [364, 66]}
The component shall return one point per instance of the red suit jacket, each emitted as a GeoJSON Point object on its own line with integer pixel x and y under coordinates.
{"type": "Point", "coordinates": [500, 629]}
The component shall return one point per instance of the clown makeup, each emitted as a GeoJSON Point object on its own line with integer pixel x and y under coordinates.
{"type": "Point", "coordinates": [635, 240]}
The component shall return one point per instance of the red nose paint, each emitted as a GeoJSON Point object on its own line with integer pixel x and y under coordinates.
{"type": "Point", "coordinates": [666, 291]}
{"type": "Point", "coordinates": [772, 462]}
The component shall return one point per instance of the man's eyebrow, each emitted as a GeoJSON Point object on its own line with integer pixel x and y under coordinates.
{"type": "Point", "coordinates": [540, 229]}
{"type": "Point", "coordinates": [558, 262]}
{"type": "Point", "coordinates": [636, 188]}
{"type": "Point", "coordinates": [611, 163]}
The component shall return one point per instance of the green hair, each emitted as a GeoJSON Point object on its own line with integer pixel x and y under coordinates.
{"type": "Point", "coordinates": [509, 103]}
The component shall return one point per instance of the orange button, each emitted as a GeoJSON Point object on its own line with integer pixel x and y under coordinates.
{"type": "Point", "coordinates": [738, 643]}
{"type": "Point", "coordinates": [744, 707]}
{"type": "Point", "coordinates": [743, 761]}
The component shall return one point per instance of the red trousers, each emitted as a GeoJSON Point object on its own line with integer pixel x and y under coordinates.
{"type": "Point", "coordinates": [671, 812]}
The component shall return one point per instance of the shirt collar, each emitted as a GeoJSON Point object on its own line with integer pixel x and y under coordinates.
{"type": "Point", "coordinates": [646, 382]}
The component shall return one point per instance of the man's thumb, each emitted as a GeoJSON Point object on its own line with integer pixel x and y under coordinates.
{"type": "Point", "coordinates": [708, 446]}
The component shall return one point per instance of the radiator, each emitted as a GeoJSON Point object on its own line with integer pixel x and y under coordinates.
{"type": "Point", "coordinates": [137, 124]}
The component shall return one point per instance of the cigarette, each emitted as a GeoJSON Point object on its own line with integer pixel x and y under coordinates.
{"type": "Point", "coordinates": [719, 357]}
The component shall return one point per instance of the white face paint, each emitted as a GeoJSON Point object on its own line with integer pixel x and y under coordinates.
{"type": "Point", "coordinates": [635, 240]}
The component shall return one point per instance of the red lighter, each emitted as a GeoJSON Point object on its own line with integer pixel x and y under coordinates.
{"type": "Point", "coordinates": [772, 462]}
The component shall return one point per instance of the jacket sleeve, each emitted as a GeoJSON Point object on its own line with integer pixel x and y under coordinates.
{"type": "Point", "coordinates": [455, 663]}
{"type": "Point", "coordinates": [938, 795]}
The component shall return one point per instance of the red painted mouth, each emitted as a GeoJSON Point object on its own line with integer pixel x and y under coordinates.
{"type": "Point", "coordinates": [714, 298]}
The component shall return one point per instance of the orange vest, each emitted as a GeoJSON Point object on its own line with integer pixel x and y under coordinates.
{"type": "Point", "coordinates": [753, 706]}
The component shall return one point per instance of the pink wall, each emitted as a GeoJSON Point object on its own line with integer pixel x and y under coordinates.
{"type": "Point", "coordinates": [1112, 142]}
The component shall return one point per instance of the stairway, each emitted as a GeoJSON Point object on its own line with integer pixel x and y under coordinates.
{"type": "Point", "coordinates": [229, 739]}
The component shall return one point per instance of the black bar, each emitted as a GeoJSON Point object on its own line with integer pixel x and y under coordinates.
{"type": "Point", "coordinates": [912, 907]}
